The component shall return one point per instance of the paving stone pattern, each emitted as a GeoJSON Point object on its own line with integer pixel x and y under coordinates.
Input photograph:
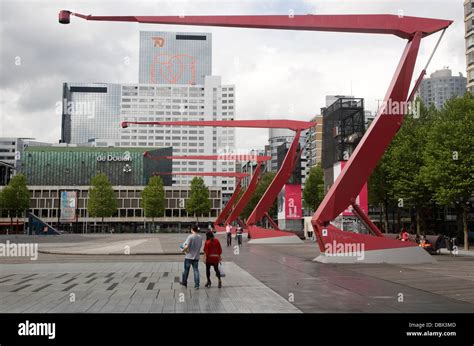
{"type": "Point", "coordinates": [130, 287]}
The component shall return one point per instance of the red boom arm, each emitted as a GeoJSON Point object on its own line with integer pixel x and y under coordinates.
{"type": "Point", "coordinates": [404, 27]}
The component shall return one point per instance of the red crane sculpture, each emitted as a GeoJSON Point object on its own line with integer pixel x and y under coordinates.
{"type": "Point", "coordinates": [377, 138]}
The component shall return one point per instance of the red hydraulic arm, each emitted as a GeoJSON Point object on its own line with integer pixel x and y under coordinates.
{"type": "Point", "coordinates": [248, 193]}
{"type": "Point", "coordinates": [404, 27]}
{"type": "Point", "coordinates": [265, 124]}
{"type": "Point", "coordinates": [228, 207]}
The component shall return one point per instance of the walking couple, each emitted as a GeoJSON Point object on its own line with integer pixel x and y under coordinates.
{"type": "Point", "coordinates": [212, 257]}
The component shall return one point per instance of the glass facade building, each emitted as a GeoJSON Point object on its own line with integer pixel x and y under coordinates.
{"type": "Point", "coordinates": [52, 170]}
{"type": "Point", "coordinates": [69, 166]}
{"type": "Point", "coordinates": [90, 111]}
{"type": "Point", "coordinates": [174, 58]}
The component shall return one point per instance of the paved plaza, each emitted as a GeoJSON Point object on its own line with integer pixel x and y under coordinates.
{"type": "Point", "coordinates": [130, 287]}
{"type": "Point", "coordinates": [75, 273]}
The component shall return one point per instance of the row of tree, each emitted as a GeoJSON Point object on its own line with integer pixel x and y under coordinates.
{"type": "Point", "coordinates": [102, 203]}
{"type": "Point", "coordinates": [429, 164]}
{"type": "Point", "coordinates": [15, 198]}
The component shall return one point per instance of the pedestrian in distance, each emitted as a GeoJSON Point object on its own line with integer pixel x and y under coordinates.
{"type": "Point", "coordinates": [239, 233]}
{"type": "Point", "coordinates": [192, 250]}
{"type": "Point", "coordinates": [228, 232]}
{"type": "Point", "coordinates": [212, 253]}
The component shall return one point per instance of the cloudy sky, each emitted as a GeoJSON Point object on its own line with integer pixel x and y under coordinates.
{"type": "Point", "coordinates": [278, 74]}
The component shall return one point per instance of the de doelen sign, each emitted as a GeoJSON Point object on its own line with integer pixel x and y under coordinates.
{"type": "Point", "coordinates": [126, 157]}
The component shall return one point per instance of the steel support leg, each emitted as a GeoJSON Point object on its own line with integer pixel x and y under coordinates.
{"type": "Point", "coordinates": [228, 207]}
{"type": "Point", "coordinates": [364, 159]}
{"type": "Point", "coordinates": [280, 179]}
{"type": "Point", "coordinates": [247, 195]}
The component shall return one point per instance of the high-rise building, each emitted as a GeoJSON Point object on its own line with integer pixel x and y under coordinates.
{"type": "Point", "coordinates": [90, 111]}
{"type": "Point", "coordinates": [469, 36]}
{"type": "Point", "coordinates": [314, 142]}
{"type": "Point", "coordinates": [168, 102]}
{"type": "Point", "coordinates": [175, 84]}
{"type": "Point", "coordinates": [174, 58]}
{"type": "Point", "coordinates": [441, 86]}
{"type": "Point", "coordinates": [279, 142]}
{"type": "Point", "coordinates": [277, 137]}
{"type": "Point", "coordinates": [250, 167]}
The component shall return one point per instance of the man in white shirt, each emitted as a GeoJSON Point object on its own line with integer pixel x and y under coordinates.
{"type": "Point", "coordinates": [192, 249]}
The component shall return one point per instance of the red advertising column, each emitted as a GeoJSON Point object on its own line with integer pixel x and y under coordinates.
{"type": "Point", "coordinates": [293, 199]}
{"type": "Point", "coordinates": [290, 207]}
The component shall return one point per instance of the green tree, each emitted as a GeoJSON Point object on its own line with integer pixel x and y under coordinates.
{"type": "Point", "coordinates": [258, 193]}
{"type": "Point", "coordinates": [449, 158]}
{"type": "Point", "coordinates": [313, 192]}
{"type": "Point", "coordinates": [198, 202]}
{"type": "Point", "coordinates": [153, 199]}
{"type": "Point", "coordinates": [15, 197]}
{"type": "Point", "coordinates": [404, 163]}
{"type": "Point", "coordinates": [102, 202]}
{"type": "Point", "coordinates": [380, 191]}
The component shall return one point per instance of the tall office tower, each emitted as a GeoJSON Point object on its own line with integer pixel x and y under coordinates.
{"type": "Point", "coordinates": [313, 149]}
{"type": "Point", "coordinates": [168, 102]}
{"type": "Point", "coordinates": [90, 111]}
{"type": "Point", "coordinates": [469, 36]}
{"type": "Point", "coordinates": [441, 86]}
{"type": "Point", "coordinates": [174, 58]}
{"type": "Point", "coordinates": [277, 137]}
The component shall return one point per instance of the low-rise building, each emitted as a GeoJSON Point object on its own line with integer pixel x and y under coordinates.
{"type": "Point", "coordinates": [58, 177]}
